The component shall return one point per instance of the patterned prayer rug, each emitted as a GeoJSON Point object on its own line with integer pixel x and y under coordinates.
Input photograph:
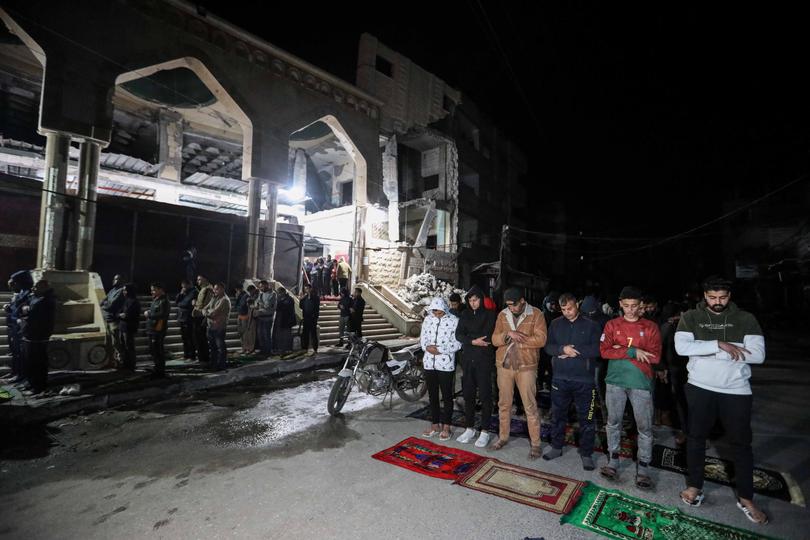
{"type": "Point", "coordinates": [431, 459]}
{"type": "Point", "coordinates": [616, 515]}
{"type": "Point", "coordinates": [721, 471]}
{"type": "Point", "coordinates": [518, 428]}
{"type": "Point", "coordinates": [542, 490]}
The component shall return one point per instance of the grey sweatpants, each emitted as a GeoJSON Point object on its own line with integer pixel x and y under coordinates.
{"type": "Point", "coordinates": [616, 398]}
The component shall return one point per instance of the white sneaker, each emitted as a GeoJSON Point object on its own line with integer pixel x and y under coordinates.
{"type": "Point", "coordinates": [467, 436]}
{"type": "Point", "coordinates": [483, 440]}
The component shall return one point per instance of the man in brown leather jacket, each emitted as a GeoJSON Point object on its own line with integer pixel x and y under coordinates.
{"type": "Point", "coordinates": [520, 333]}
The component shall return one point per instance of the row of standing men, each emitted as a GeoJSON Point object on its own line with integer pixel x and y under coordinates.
{"type": "Point", "coordinates": [721, 341]}
{"type": "Point", "coordinates": [266, 318]}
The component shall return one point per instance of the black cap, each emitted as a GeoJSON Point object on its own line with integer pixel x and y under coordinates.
{"type": "Point", "coordinates": [512, 294]}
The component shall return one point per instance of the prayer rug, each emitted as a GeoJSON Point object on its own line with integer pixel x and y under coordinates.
{"type": "Point", "coordinates": [721, 471]}
{"type": "Point", "coordinates": [431, 459]}
{"type": "Point", "coordinates": [542, 490]}
{"type": "Point", "coordinates": [616, 515]}
{"type": "Point", "coordinates": [519, 428]}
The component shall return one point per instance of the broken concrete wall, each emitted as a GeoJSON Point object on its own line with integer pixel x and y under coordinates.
{"type": "Point", "coordinates": [385, 267]}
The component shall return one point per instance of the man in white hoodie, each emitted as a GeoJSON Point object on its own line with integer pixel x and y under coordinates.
{"type": "Point", "coordinates": [721, 341]}
{"type": "Point", "coordinates": [439, 342]}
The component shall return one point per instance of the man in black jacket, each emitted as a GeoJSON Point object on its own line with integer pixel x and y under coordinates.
{"type": "Point", "coordinates": [345, 307]}
{"type": "Point", "coordinates": [185, 304]}
{"type": "Point", "coordinates": [284, 323]}
{"type": "Point", "coordinates": [130, 318]}
{"type": "Point", "coordinates": [40, 316]}
{"type": "Point", "coordinates": [310, 310]}
{"type": "Point", "coordinates": [111, 307]}
{"type": "Point", "coordinates": [356, 318]}
{"type": "Point", "coordinates": [474, 332]}
{"type": "Point", "coordinates": [573, 345]}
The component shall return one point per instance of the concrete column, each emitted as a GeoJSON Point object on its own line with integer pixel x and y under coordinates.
{"type": "Point", "coordinates": [254, 213]}
{"type": "Point", "coordinates": [86, 218]}
{"type": "Point", "coordinates": [391, 187]}
{"type": "Point", "coordinates": [52, 230]}
{"type": "Point", "coordinates": [170, 151]}
{"type": "Point", "coordinates": [300, 172]}
{"type": "Point", "coordinates": [270, 230]}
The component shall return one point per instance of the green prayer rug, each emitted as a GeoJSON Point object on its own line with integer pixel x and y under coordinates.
{"type": "Point", "coordinates": [614, 514]}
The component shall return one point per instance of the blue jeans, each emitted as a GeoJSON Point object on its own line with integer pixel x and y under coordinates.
{"type": "Point", "coordinates": [216, 347]}
{"type": "Point", "coordinates": [641, 400]}
{"type": "Point", "coordinates": [583, 395]}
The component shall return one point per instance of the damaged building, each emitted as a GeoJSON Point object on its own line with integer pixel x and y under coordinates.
{"type": "Point", "coordinates": [451, 178]}
{"type": "Point", "coordinates": [447, 181]}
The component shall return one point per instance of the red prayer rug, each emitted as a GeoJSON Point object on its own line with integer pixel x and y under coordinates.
{"type": "Point", "coordinates": [542, 490]}
{"type": "Point", "coordinates": [434, 460]}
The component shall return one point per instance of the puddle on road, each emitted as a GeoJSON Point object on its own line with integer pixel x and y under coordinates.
{"type": "Point", "coordinates": [282, 414]}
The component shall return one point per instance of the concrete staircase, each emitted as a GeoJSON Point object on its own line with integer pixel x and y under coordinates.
{"type": "Point", "coordinates": [374, 325]}
{"type": "Point", "coordinates": [5, 353]}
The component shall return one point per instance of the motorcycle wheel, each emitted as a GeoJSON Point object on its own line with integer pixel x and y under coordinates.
{"type": "Point", "coordinates": [338, 395]}
{"type": "Point", "coordinates": [415, 373]}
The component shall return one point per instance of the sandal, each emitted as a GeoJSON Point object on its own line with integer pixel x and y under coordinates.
{"type": "Point", "coordinates": [500, 443]}
{"type": "Point", "coordinates": [643, 481]}
{"type": "Point", "coordinates": [608, 472]}
{"type": "Point", "coordinates": [444, 435]}
{"type": "Point", "coordinates": [430, 432]}
{"type": "Point", "coordinates": [534, 452]}
{"type": "Point", "coordinates": [695, 501]}
{"type": "Point", "coordinates": [750, 514]}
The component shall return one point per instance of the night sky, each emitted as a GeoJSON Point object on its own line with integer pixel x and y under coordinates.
{"type": "Point", "coordinates": [661, 111]}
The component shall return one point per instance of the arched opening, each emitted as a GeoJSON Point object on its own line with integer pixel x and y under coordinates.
{"type": "Point", "coordinates": [328, 194]}
{"type": "Point", "coordinates": [178, 139]}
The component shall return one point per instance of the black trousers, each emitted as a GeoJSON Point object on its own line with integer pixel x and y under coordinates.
{"type": "Point", "coordinates": [187, 334]}
{"type": "Point", "coordinates": [477, 379]}
{"type": "Point", "coordinates": [201, 338]}
{"type": "Point", "coordinates": [35, 364]}
{"type": "Point", "coordinates": [157, 352]}
{"type": "Point", "coordinates": [734, 412]}
{"type": "Point", "coordinates": [583, 395]}
{"type": "Point", "coordinates": [677, 381]}
{"type": "Point", "coordinates": [309, 329]}
{"type": "Point", "coordinates": [15, 347]}
{"type": "Point", "coordinates": [128, 346]}
{"type": "Point", "coordinates": [356, 326]}
{"type": "Point", "coordinates": [440, 381]}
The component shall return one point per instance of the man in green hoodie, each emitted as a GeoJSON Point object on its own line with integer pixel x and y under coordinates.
{"type": "Point", "coordinates": [721, 341]}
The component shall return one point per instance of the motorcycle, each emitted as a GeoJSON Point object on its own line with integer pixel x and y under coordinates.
{"type": "Point", "coordinates": [377, 371]}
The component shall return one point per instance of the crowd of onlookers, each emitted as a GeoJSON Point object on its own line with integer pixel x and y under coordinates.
{"type": "Point", "coordinates": [687, 367]}
{"type": "Point", "coordinates": [266, 320]}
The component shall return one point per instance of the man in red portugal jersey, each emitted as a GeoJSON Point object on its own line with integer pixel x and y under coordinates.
{"type": "Point", "coordinates": [631, 345]}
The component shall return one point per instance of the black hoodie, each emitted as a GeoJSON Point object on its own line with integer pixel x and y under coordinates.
{"type": "Point", "coordinates": [473, 324]}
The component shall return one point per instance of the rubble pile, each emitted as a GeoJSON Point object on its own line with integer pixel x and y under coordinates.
{"type": "Point", "coordinates": [420, 289]}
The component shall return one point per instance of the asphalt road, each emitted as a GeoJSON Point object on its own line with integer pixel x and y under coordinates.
{"type": "Point", "coordinates": [266, 461]}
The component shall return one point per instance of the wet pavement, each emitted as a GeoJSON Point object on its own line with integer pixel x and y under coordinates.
{"type": "Point", "coordinates": [263, 459]}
